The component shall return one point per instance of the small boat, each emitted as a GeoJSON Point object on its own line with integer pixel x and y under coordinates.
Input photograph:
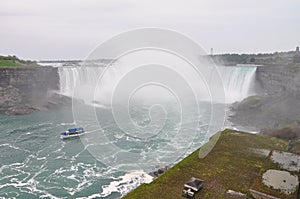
{"type": "Point", "coordinates": [72, 132]}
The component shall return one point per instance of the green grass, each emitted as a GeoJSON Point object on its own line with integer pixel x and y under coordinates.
{"type": "Point", "coordinates": [7, 63]}
{"type": "Point", "coordinates": [230, 165]}
{"type": "Point", "coordinates": [13, 61]}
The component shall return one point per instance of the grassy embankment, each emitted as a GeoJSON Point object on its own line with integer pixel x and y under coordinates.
{"type": "Point", "coordinates": [13, 61]}
{"type": "Point", "coordinates": [231, 164]}
{"type": "Point", "coordinates": [7, 63]}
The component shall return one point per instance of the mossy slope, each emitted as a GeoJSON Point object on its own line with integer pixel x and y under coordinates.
{"type": "Point", "coordinates": [230, 165]}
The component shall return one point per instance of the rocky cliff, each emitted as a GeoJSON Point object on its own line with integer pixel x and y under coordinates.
{"type": "Point", "coordinates": [279, 79]}
{"type": "Point", "coordinates": [27, 89]}
{"type": "Point", "coordinates": [277, 105]}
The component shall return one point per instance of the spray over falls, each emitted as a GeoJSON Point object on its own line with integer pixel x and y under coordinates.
{"type": "Point", "coordinates": [237, 81]}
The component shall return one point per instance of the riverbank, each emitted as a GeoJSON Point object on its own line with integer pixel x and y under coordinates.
{"type": "Point", "coordinates": [236, 163]}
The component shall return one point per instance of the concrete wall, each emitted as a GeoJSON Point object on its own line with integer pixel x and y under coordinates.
{"type": "Point", "coordinates": [260, 195]}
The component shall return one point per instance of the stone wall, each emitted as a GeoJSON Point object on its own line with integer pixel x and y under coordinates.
{"type": "Point", "coordinates": [260, 195]}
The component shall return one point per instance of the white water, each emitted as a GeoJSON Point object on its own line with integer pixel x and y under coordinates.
{"type": "Point", "coordinates": [127, 183]}
{"type": "Point", "coordinates": [237, 81]}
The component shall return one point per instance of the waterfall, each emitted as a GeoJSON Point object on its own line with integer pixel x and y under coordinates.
{"type": "Point", "coordinates": [67, 77]}
{"type": "Point", "coordinates": [236, 80]}
{"type": "Point", "coordinates": [80, 78]}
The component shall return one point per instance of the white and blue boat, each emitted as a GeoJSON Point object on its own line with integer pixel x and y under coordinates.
{"type": "Point", "coordinates": [72, 132]}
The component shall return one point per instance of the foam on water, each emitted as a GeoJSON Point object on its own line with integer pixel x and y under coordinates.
{"type": "Point", "coordinates": [126, 183]}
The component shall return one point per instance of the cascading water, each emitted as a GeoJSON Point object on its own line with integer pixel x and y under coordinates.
{"type": "Point", "coordinates": [67, 76]}
{"type": "Point", "coordinates": [237, 81]}
{"type": "Point", "coordinates": [83, 76]}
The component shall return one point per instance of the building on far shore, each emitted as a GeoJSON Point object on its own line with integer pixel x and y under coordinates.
{"type": "Point", "coordinates": [296, 58]}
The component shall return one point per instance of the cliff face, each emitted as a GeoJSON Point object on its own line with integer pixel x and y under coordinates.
{"type": "Point", "coordinates": [278, 106]}
{"type": "Point", "coordinates": [279, 79]}
{"type": "Point", "coordinates": [34, 83]}
{"type": "Point", "coordinates": [27, 89]}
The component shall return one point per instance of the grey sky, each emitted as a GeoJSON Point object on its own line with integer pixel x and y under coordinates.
{"type": "Point", "coordinates": [56, 29]}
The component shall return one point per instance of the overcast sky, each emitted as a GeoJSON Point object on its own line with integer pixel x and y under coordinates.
{"type": "Point", "coordinates": [57, 29]}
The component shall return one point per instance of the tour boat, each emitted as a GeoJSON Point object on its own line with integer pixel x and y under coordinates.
{"type": "Point", "coordinates": [72, 132]}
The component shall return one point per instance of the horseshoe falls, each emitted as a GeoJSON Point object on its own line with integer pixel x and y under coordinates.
{"type": "Point", "coordinates": [237, 80]}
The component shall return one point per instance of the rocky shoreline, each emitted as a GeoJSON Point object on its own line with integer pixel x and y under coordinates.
{"type": "Point", "coordinates": [266, 111]}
